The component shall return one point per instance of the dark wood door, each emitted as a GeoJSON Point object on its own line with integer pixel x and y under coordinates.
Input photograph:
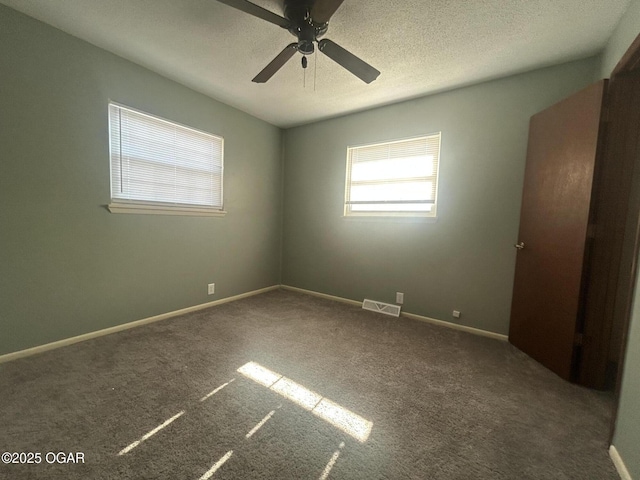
{"type": "Point", "coordinates": [561, 156]}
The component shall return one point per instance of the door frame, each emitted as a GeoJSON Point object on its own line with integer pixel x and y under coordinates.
{"type": "Point", "coordinates": [630, 62]}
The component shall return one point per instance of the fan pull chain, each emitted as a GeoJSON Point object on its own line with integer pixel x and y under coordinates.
{"type": "Point", "coordinates": [304, 71]}
{"type": "Point", "coordinates": [315, 69]}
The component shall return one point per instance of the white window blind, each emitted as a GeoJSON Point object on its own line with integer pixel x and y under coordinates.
{"type": "Point", "coordinates": [157, 162]}
{"type": "Point", "coordinates": [393, 178]}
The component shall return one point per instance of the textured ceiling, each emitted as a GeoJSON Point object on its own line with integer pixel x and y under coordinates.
{"type": "Point", "coordinates": [420, 46]}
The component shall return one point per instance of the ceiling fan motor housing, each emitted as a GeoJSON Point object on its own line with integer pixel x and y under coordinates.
{"type": "Point", "coordinates": [302, 25]}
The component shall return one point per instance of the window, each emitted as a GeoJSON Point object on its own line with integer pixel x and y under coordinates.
{"type": "Point", "coordinates": [158, 166]}
{"type": "Point", "coordinates": [398, 178]}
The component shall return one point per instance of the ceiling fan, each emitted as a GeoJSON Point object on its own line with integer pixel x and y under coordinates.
{"type": "Point", "coordinates": [307, 20]}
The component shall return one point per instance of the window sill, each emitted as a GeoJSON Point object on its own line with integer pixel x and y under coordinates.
{"type": "Point", "coordinates": [391, 218]}
{"type": "Point", "coordinates": [144, 209]}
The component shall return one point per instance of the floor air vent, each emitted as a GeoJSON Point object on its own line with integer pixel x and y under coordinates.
{"type": "Point", "coordinates": [381, 307]}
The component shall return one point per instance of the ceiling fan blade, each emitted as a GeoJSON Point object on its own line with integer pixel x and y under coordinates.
{"type": "Point", "coordinates": [276, 64]}
{"type": "Point", "coordinates": [348, 60]}
{"type": "Point", "coordinates": [322, 10]}
{"type": "Point", "coordinates": [256, 11]}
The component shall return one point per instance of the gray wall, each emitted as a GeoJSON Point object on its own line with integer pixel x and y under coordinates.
{"type": "Point", "coordinates": [465, 260]}
{"type": "Point", "coordinates": [627, 432]}
{"type": "Point", "coordinates": [625, 33]}
{"type": "Point", "coordinates": [67, 265]}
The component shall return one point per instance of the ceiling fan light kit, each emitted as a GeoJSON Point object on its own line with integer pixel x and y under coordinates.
{"type": "Point", "coordinates": [308, 21]}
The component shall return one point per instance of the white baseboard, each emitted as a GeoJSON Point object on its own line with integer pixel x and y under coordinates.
{"type": "Point", "coordinates": [619, 464]}
{"type": "Point", "coordinates": [137, 323]}
{"type": "Point", "coordinates": [412, 316]}
{"type": "Point", "coordinates": [118, 328]}
{"type": "Point", "coordinates": [455, 326]}
{"type": "Point", "coordinates": [321, 295]}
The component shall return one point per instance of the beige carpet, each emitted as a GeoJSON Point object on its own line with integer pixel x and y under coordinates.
{"type": "Point", "coordinates": [326, 390]}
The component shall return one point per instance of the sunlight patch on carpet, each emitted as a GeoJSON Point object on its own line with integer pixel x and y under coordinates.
{"type": "Point", "coordinates": [344, 419]}
{"type": "Point", "coordinates": [296, 393]}
{"type": "Point", "coordinates": [216, 390]}
{"type": "Point", "coordinates": [331, 412]}
{"type": "Point", "coordinates": [332, 462]}
{"type": "Point", "coordinates": [216, 466]}
{"type": "Point", "coordinates": [149, 434]}
{"type": "Point", "coordinates": [260, 374]}
{"type": "Point", "coordinates": [260, 424]}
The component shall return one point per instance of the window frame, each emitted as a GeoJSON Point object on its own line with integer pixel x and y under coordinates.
{"type": "Point", "coordinates": [349, 213]}
{"type": "Point", "coordinates": [138, 206]}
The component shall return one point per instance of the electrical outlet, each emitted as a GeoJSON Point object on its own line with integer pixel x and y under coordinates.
{"type": "Point", "coordinates": [399, 298]}
{"type": "Point", "coordinates": [212, 288]}
{"type": "Point", "coordinates": [456, 314]}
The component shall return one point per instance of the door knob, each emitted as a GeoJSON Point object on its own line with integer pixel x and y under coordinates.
{"type": "Point", "coordinates": [519, 246]}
